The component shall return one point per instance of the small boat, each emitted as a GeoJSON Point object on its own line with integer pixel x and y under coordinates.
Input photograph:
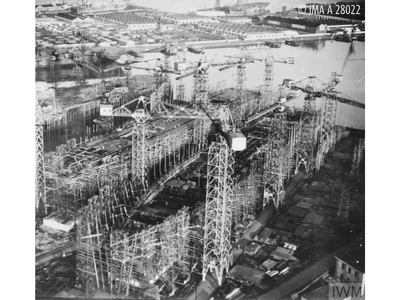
{"type": "Point", "coordinates": [292, 43]}
{"type": "Point", "coordinates": [194, 50]}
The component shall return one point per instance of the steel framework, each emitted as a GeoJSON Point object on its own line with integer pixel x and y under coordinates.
{"type": "Point", "coordinates": [76, 173]}
{"type": "Point", "coordinates": [117, 254]}
{"type": "Point", "coordinates": [246, 196]}
{"type": "Point", "coordinates": [218, 215]}
{"type": "Point", "coordinates": [40, 168]}
{"type": "Point", "coordinates": [181, 91]}
{"type": "Point", "coordinates": [306, 137]}
{"type": "Point", "coordinates": [276, 160]}
{"type": "Point", "coordinates": [268, 81]}
{"type": "Point", "coordinates": [200, 82]}
{"type": "Point", "coordinates": [139, 157]}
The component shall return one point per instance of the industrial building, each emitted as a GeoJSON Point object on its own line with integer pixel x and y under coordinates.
{"type": "Point", "coordinates": [247, 32]}
{"type": "Point", "coordinates": [210, 13]}
{"type": "Point", "coordinates": [55, 7]}
{"type": "Point", "coordinates": [237, 19]}
{"type": "Point", "coordinates": [247, 9]}
{"type": "Point", "coordinates": [130, 20]}
{"type": "Point", "coordinates": [75, 19]}
{"type": "Point", "coordinates": [184, 19]}
{"type": "Point", "coordinates": [350, 267]}
{"type": "Point", "coordinates": [308, 25]}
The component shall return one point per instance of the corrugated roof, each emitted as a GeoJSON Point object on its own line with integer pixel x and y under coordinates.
{"type": "Point", "coordinates": [68, 16]}
{"type": "Point", "coordinates": [129, 18]}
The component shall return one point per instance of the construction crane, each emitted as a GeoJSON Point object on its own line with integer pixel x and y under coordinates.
{"type": "Point", "coordinates": [240, 89]}
{"type": "Point", "coordinates": [326, 89]}
{"type": "Point", "coordinates": [217, 256]}
{"type": "Point", "coordinates": [218, 218]}
{"type": "Point", "coordinates": [40, 169]}
{"type": "Point", "coordinates": [317, 130]}
{"type": "Point", "coordinates": [140, 115]}
{"type": "Point", "coordinates": [267, 89]}
{"type": "Point", "coordinates": [160, 71]}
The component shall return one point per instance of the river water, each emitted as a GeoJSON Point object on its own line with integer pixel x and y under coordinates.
{"type": "Point", "coordinates": [312, 58]}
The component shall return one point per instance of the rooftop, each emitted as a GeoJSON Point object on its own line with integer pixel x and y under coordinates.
{"type": "Point", "coordinates": [355, 259]}
{"type": "Point", "coordinates": [245, 28]}
{"type": "Point", "coordinates": [188, 16]}
{"type": "Point", "coordinates": [70, 16]}
{"type": "Point", "coordinates": [303, 22]}
{"type": "Point", "coordinates": [129, 18]}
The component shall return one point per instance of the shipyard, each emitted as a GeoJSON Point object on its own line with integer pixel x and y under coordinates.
{"type": "Point", "coordinates": [200, 154]}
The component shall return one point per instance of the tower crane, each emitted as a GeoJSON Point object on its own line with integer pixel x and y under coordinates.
{"type": "Point", "coordinates": [140, 115]}
{"type": "Point", "coordinates": [217, 256]}
{"type": "Point", "coordinates": [241, 79]}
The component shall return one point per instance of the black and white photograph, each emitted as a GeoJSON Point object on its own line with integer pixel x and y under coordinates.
{"type": "Point", "coordinates": [200, 150]}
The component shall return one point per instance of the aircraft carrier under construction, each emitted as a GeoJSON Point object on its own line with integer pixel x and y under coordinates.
{"type": "Point", "coordinates": [144, 194]}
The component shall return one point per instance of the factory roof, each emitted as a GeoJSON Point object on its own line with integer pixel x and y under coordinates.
{"type": "Point", "coordinates": [49, 5]}
{"type": "Point", "coordinates": [309, 23]}
{"type": "Point", "coordinates": [129, 18]}
{"type": "Point", "coordinates": [242, 28]}
{"type": "Point", "coordinates": [188, 16]}
{"type": "Point", "coordinates": [237, 17]}
{"type": "Point", "coordinates": [70, 16]}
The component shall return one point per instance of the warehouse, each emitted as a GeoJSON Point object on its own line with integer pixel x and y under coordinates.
{"type": "Point", "coordinates": [247, 32]}
{"type": "Point", "coordinates": [237, 19]}
{"type": "Point", "coordinates": [313, 26]}
{"type": "Point", "coordinates": [74, 19]}
{"type": "Point", "coordinates": [182, 19]}
{"type": "Point", "coordinates": [130, 20]}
